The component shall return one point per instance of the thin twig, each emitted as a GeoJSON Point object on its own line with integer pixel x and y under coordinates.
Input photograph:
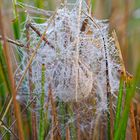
{"type": "Point", "coordinates": [35, 10]}
{"type": "Point", "coordinates": [39, 34]}
{"type": "Point", "coordinates": [18, 43]}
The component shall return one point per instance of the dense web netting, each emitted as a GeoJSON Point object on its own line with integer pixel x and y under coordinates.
{"type": "Point", "coordinates": [75, 62]}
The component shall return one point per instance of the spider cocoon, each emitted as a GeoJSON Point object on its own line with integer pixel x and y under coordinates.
{"type": "Point", "coordinates": [76, 71]}
{"type": "Point", "coordinates": [64, 80]}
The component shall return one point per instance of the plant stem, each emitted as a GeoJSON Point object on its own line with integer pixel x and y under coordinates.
{"type": "Point", "coordinates": [119, 106]}
{"type": "Point", "coordinates": [39, 4]}
{"type": "Point", "coordinates": [55, 123]}
{"type": "Point", "coordinates": [42, 115]}
{"type": "Point", "coordinates": [67, 133]}
{"type": "Point", "coordinates": [18, 43]}
{"type": "Point", "coordinates": [11, 78]}
{"type": "Point", "coordinates": [16, 26]}
{"type": "Point", "coordinates": [130, 91]}
{"type": "Point", "coordinates": [33, 114]}
{"type": "Point", "coordinates": [133, 124]}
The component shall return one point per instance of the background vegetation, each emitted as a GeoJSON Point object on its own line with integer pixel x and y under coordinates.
{"type": "Point", "coordinates": [124, 17]}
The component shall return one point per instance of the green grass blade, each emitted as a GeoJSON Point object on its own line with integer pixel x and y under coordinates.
{"type": "Point", "coordinates": [130, 91]}
{"type": "Point", "coordinates": [123, 134]}
{"type": "Point", "coordinates": [16, 25]}
{"type": "Point", "coordinates": [119, 106]}
{"type": "Point", "coordinates": [62, 112]}
{"type": "Point", "coordinates": [22, 15]}
{"type": "Point", "coordinates": [39, 4]}
{"type": "Point", "coordinates": [3, 72]}
{"type": "Point", "coordinates": [92, 5]}
{"type": "Point", "coordinates": [42, 114]}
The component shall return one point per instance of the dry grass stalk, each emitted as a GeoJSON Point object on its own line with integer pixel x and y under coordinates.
{"type": "Point", "coordinates": [4, 107]}
{"type": "Point", "coordinates": [96, 128]}
{"type": "Point", "coordinates": [138, 121]}
{"type": "Point", "coordinates": [33, 114]}
{"type": "Point", "coordinates": [39, 34]}
{"type": "Point", "coordinates": [122, 20]}
{"type": "Point", "coordinates": [78, 127]}
{"type": "Point", "coordinates": [55, 123]}
{"type": "Point", "coordinates": [88, 2]}
{"type": "Point", "coordinates": [67, 133]}
{"type": "Point", "coordinates": [133, 125]}
{"type": "Point", "coordinates": [11, 78]}
{"type": "Point", "coordinates": [121, 57]}
{"type": "Point", "coordinates": [18, 43]}
{"type": "Point", "coordinates": [101, 129]}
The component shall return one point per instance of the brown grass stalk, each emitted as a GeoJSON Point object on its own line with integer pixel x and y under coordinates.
{"type": "Point", "coordinates": [55, 123]}
{"type": "Point", "coordinates": [88, 2]}
{"type": "Point", "coordinates": [120, 54]}
{"type": "Point", "coordinates": [11, 78]}
{"type": "Point", "coordinates": [124, 30]}
{"type": "Point", "coordinates": [96, 128]}
{"type": "Point", "coordinates": [33, 114]}
{"type": "Point", "coordinates": [67, 133]}
{"type": "Point", "coordinates": [39, 34]}
{"type": "Point", "coordinates": [101, 137]}
{"type": "Point", "coordinates": [78, 127]}
{"type": "Point", "coordinates": [120, 17]}
{"type": "Point", "coordinates": [133, 125]}
{"type": "Point", "coordinates": [138, 121]}
{"type": "Point", "coordinates": [18, 43]}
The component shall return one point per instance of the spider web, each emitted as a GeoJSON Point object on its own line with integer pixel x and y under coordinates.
{"type": "Point", "coordinates": [76, 64]}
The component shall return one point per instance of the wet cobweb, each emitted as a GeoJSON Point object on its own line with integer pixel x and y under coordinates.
{"type": "Point", "coordinates": [75, 54]}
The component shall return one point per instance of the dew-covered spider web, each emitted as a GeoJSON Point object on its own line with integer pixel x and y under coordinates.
{"type": "Point", "coordinates": [74, 53]}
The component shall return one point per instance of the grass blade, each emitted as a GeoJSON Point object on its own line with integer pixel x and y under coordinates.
{"type": "Point", "coordinates": [42, 115]}
{"type": "Point", "coordinates": [16, 26]}
{"type": "Point", "coordinates": [119, 106]}
{"type": "Point", "coordinates": [130, 91]}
